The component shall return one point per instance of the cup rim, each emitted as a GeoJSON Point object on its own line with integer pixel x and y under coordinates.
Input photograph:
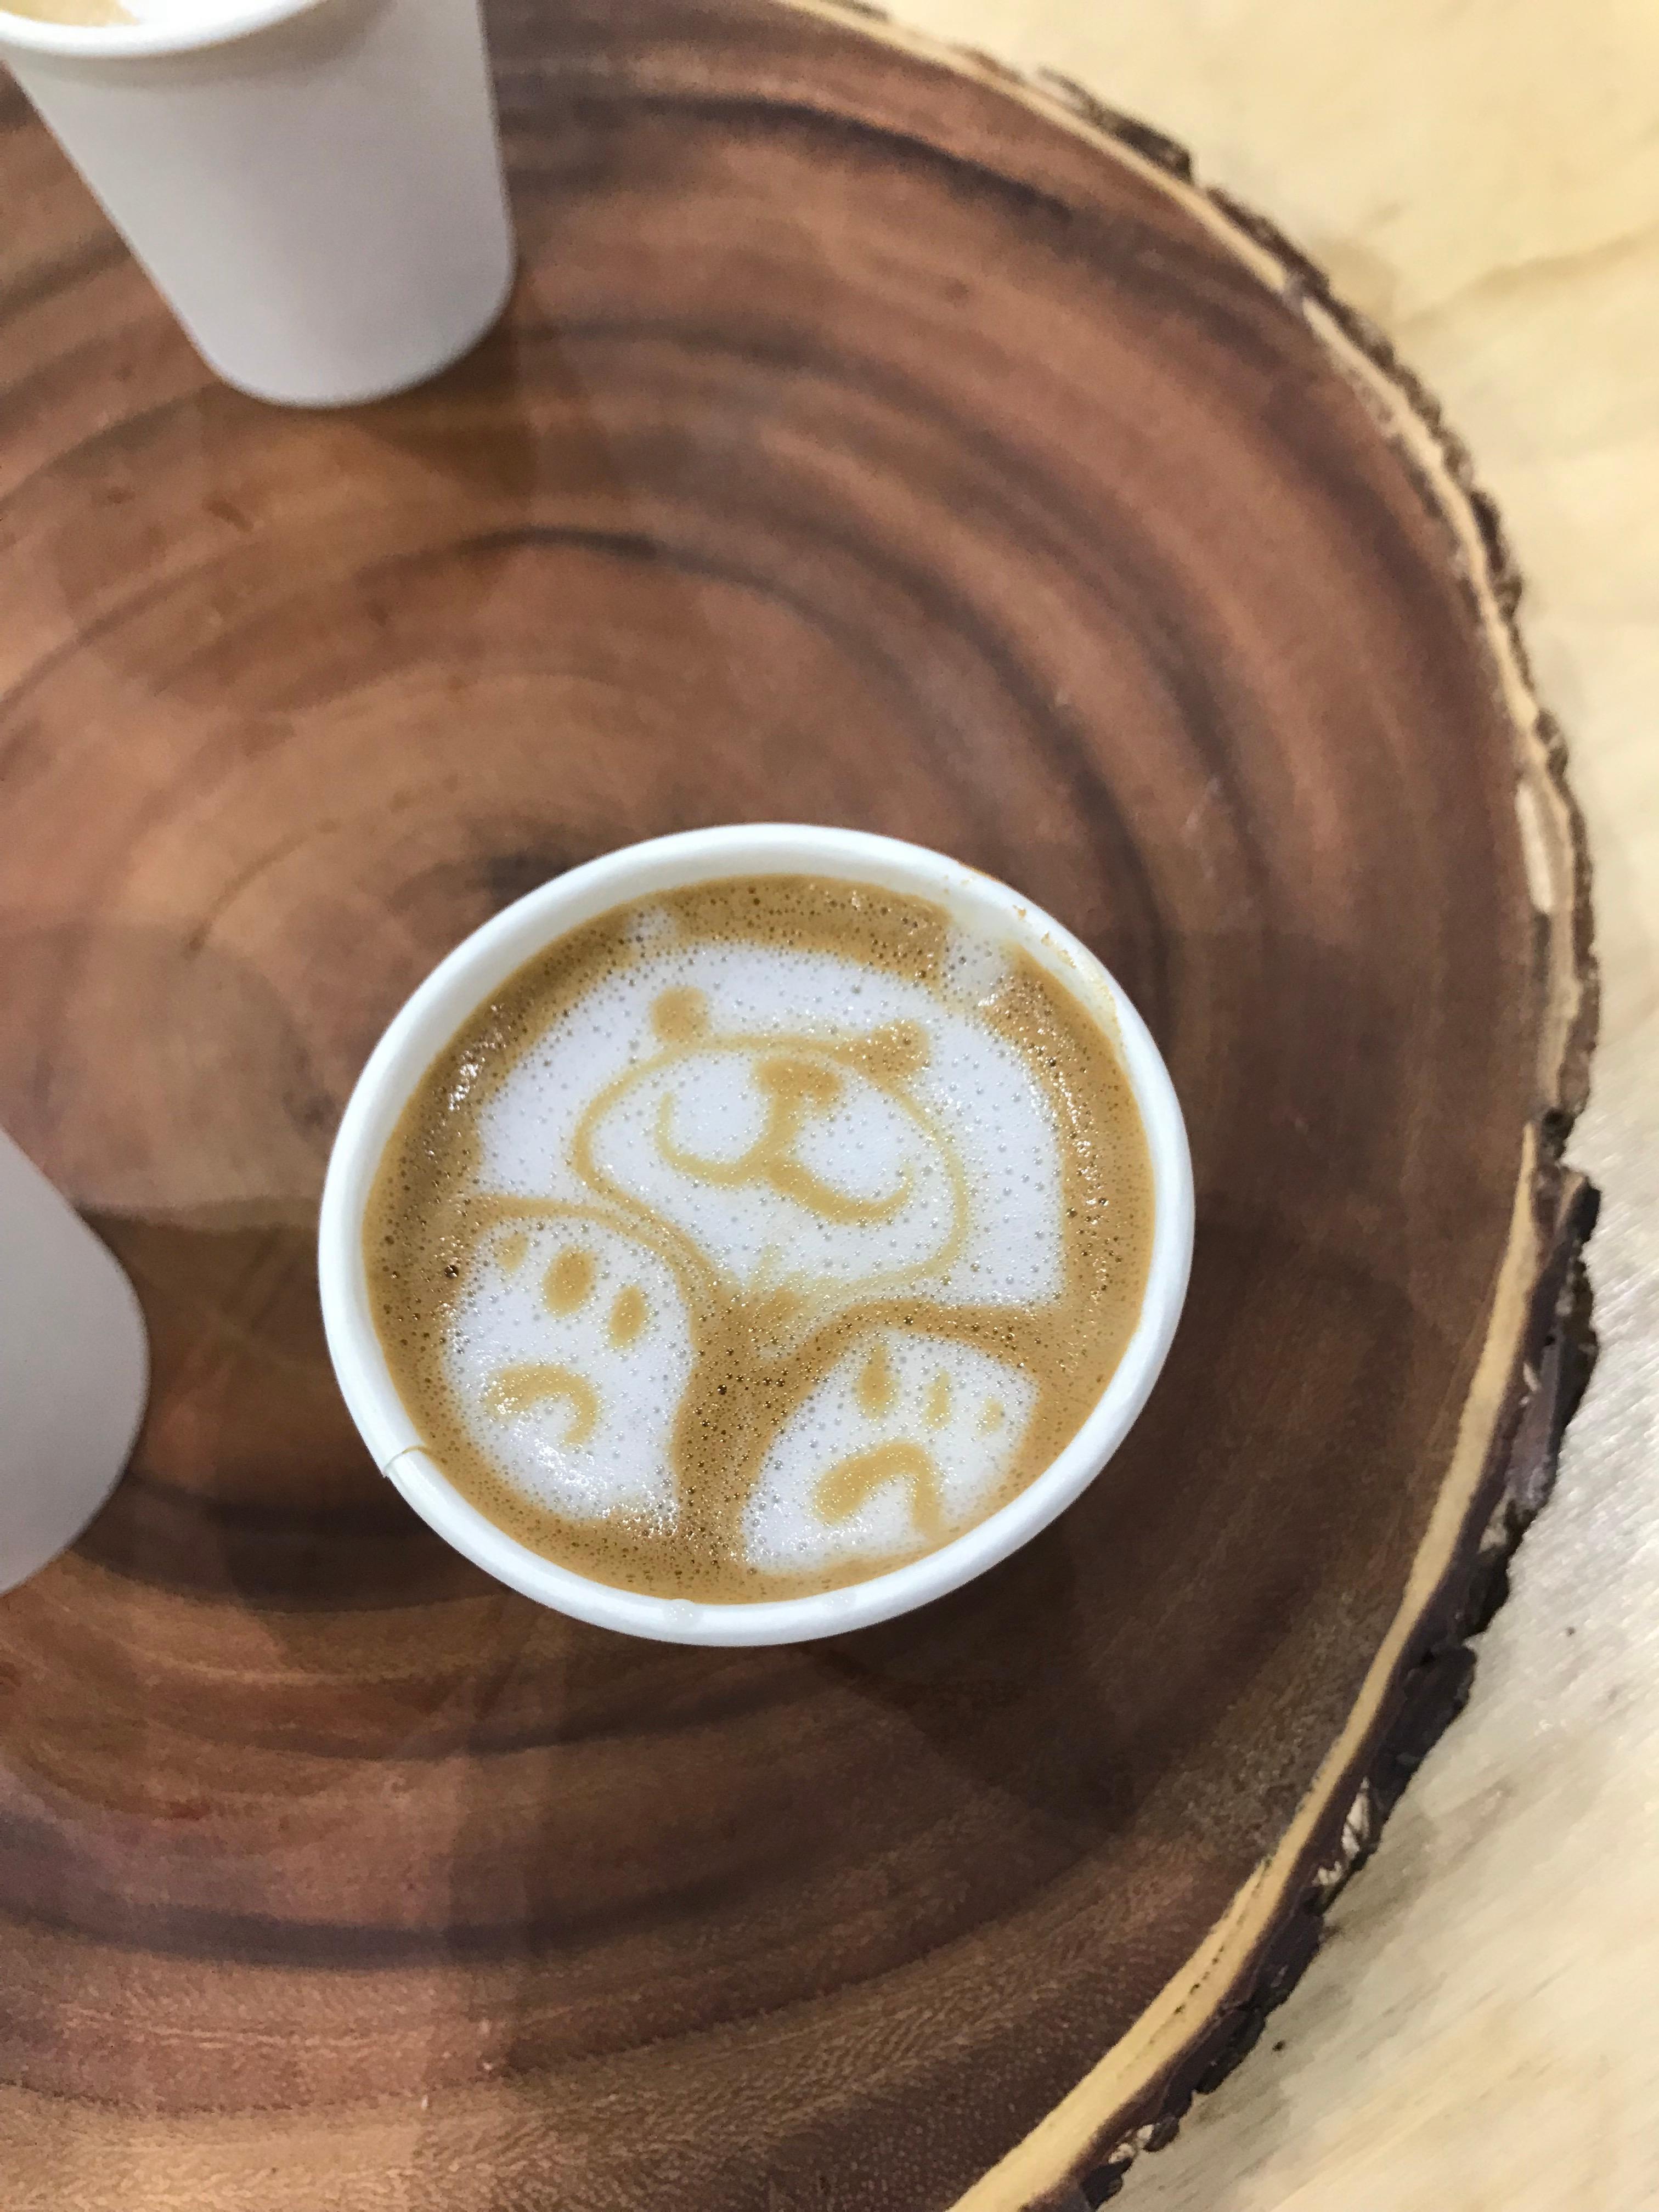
{"type": "Point", "coordinates": [436, 1009]}
{"type": "Point", "coordinates": [137, 41]}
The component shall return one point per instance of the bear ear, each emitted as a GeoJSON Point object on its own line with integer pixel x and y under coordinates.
{"type": "Point", "coordinates": [897, 1051]}
{"type": "Point", "coordinates": [680, 1017]}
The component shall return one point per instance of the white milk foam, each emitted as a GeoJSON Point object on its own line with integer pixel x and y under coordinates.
{"type": "Point", "coordinates": [569, 1353]}
{"type": "Point", "coordinates": [956, 1422]}
{"type": "Point", "coordinates": [619, 1459]}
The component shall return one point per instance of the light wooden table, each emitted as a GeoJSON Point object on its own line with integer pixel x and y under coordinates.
{"type": "Point", "coordinates": [1483, 179]}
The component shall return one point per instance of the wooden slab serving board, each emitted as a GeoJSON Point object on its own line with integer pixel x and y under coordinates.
{"type": "Point", "coordinates": [870, 441]}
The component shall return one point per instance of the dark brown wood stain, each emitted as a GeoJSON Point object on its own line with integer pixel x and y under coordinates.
{"type": "Point", "coordinates": [867, 443]}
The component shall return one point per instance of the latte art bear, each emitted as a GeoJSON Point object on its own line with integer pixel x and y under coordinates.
{"type": "Point", "coordinates": [754, 1240]}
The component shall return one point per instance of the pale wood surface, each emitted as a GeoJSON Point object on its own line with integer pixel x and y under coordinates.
{"type": "Point", "coordinates": [1482, 178]}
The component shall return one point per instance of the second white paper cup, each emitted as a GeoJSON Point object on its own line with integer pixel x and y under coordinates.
{"type": "Point", "coordinates": [481, 965]}
{"type": "Point", "coordinates": [314, 185]}
{"type": "Point", "coordinates": [74, 1370]}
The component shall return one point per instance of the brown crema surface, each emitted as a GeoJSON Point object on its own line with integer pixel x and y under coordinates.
{"type": "Point", "coordinates": [759, 1350]}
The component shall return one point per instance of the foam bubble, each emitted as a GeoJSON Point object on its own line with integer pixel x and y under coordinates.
{"type": "Point", "coordinates": [568, 1354]}
{"type": "Point", "coordinates": [969, 1110]}
{"type": "Point", "coordinates": [973, 968]}
{"type": "Point", "coordinates": [903, 1444]}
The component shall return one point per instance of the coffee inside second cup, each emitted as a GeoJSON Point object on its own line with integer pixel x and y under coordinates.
{"type": "Point", "coordinates": [759, 1238]}
{"type": "Point", "coordinates": [95, 14]}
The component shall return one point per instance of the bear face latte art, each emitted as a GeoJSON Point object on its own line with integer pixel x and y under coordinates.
{"type": "Point", "coordinates": [756, 1238]}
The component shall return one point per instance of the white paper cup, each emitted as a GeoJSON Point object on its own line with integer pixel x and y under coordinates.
{"type": "Point", "coordinates": [477, 968]}
{"type": "Point", "coordinates": [315, 186]}
{"type": "Point", "coordinates": [74, 1370]}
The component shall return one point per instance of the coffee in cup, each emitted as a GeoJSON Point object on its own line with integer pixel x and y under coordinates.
{"type": "Point", "coordinates": [759, 1237]}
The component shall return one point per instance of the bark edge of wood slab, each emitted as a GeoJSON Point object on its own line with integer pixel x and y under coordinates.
{"type": "Point", "coordinates": [875, 437]}
{"type": "Point", "coordinates": [1425, 1694]}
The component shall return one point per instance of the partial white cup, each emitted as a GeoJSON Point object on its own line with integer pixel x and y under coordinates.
{"type": "Point", "coordinates": [74, 1370]}
{"type": "Point", "coordinates": [477, 968]}
{"type": "Point", "coordinates": [314, 185]}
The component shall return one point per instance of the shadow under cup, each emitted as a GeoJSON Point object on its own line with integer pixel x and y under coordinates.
{"type": "Point", "coordinates": [482, 964]}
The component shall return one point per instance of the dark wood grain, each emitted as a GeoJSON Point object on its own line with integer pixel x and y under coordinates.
{"type": "Point", "coordinates": [871, 441]}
